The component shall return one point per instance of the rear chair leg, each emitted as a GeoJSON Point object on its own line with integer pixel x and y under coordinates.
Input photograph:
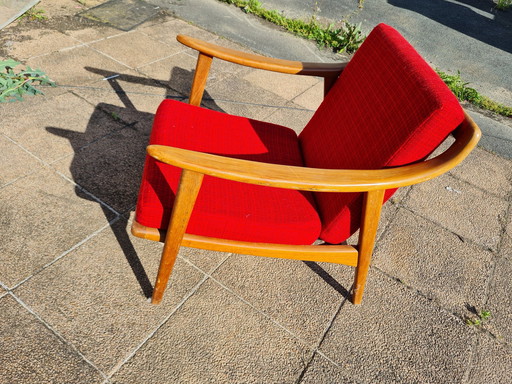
{"type": "Point", "coordinates": [372, 205]}
{"type": "Point", "coordinates": [188, 189]}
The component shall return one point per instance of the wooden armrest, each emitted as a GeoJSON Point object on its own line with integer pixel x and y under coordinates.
{"type": "Point", "coordinates": [262, 62]}
{"type": "Point", "coordinates": [322, 180]}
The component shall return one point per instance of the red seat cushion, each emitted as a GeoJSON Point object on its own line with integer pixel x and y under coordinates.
{"type": "Point", "coordinates": [227, 209]}
{"type": "Point", "coordinates": [388, 108]}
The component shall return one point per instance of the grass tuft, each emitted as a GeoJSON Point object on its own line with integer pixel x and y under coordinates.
{"type": "Point", "coordinates": [347, 38]}
{"type": "Point", "coordinates": [465, 93]}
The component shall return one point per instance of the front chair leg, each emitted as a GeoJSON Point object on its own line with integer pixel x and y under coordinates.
{"type": "Point", "coordinates": [372, 206]}
{"type": "Point", "coordinates": [188, 189]}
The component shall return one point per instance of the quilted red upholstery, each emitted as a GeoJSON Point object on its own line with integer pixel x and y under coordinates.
{"type": "Point", "coordinates": [227, 209]}
{"type": "Point", "coordinates": [388, 108]}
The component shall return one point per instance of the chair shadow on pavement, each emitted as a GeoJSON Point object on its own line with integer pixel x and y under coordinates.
{"type": "Point", "coordinates": [107, 163]}
{"type": "Point", "coordinates": [496, 32]}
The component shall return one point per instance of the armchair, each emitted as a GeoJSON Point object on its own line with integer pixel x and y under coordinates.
{"type": "Point", "coordinates": [227, 183]}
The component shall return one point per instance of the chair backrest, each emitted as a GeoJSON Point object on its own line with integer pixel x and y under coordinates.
{"type": "Point", "coordinates": [388, 108]}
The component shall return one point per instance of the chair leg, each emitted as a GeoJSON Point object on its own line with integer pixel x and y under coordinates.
{"type": "Point", "coordinates": [200, 76]}
{"type": "Point", "coordinates": [188, 189]}
{"type": "Point", "coordinates": [372, 205]}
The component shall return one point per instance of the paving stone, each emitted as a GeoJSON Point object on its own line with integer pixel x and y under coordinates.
{"type": "Point", "coordinates": [284, 85]}
{"type": "Point", "coordinates": [434, 261]}
{"type": "Point", "coordinates": [41, 217]}
{"type": "Point", "coordinates": [176, 71]}
{"type": "Point", "coordinates": [129, 97]}
{"type": "Point", "coordinates": [57, 126]}
{"type": "Point", "coordinates": [238, 97]}
{"type": "Point", "coordinates": [487, 171]}
{"type": "Point", "coordinates": [15, 163]}
{"type": "Point", "coordinates": [291, 116]}
{"type": "Point", "coordinates": [492, 362]}
{"type": "Point", "coordinates": [321, 370]}
{"type": "Point", "coordinates": [133, 49]}
{"type": "Point", "coordinates": [70, 67]}
{"type": "Point", "coordinates": [312, 97]}
{"type": "Point", "coordinates": [167, 31]}
{"type": "Point", "coordinates": [215, 337]}
{"type": "Point", "coordinates": [398, 336]}
{"type": "Point", "coordinates": [302, 298]}
{"type": "Point", "coordinates": [110, 168]}
{"type": "Point", "coordinates": [31, 353]}
{"type": "Point", "coordinates": [461, 208]}
{"type": "Point", "coordinates": [37, 42]}
{"type": "Point", "coordinates": [95, 297]}
{"type": "Point", "coordinates": [500, 295]}
{"type": "Point", "coordinates": [92, 34]}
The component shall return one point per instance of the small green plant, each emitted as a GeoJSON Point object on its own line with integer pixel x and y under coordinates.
{"type": "Point", "coordinates": [480, 318]}
{"type": "Point", "coordinates": [347, 38]}
{"type": "Point", "coordinates": [13, 85]}
{"type": "Point", "coordinates": [465, 93]}
{"type": "Point", "coordinates": [34, 14]}
{"type": "Point", "coordinates": [503, 5]}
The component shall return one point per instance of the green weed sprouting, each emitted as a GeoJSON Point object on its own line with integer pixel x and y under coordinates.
{"type": "Point", "coordinates": [13, 85]}
{"type": "Point", "coordinates": [347, 38]}
{"type": "Point", "coordinates": [465, 93]}
{"type": "Point", "coordinates": [503, 5]}
{"type": "Point", "coordinates": [481, 317]}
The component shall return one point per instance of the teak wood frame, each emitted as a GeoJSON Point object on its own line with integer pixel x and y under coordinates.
{"type": "Point", "coordinates": [372, 183]}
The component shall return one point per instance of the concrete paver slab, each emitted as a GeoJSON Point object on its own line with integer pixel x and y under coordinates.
{"type": "Point", "coordinates": [312, 97]}
{"type": "Point", "coordinates": [122, 14]}
{"type": "Point", "coordinates": [291, 115]}
{"type": "Point", "coordinates": [434, 261]}
{"type": "Point", "coordinates": [461, 208]}
{"type": "Point", "coordinates": [39, 42]}
{"type": "Point", "coordinates": [487, 171]}
{"type": "Point", "coordinates": [302, 297]}
{"type": "Point", "coordinates": [90, 34]}
{"type": "Point", "coordinates": [215, 336]}
{"type": "Point", "coordinates": [398, 336]}
{"type": "Point", "coordinates": [133, 49]}
{"type": "Point", "coordinates": [239, 97]}
{"type": "Point", "coordinates": [56, 127]}
{"type": "Point", "coordinates": [323, 371]}
{"type": "Point", "coordinates": [42, 217]}
{"type": "Point", "coordinates": [167, 31]}
{"type": "Point", "coordinates": [68, 67]}
{"type": "Point", "coordinates": [18, 163]}
{"type": "Point", "coordinates": [31, 353]}
{"type": "Point", "coordinates": [284, 85]}
{"type": "Point", "coordinates": [129, 97]}
{"type": "Point", "coordinates": [500, 295]}
{"type": "Point", "coordinates": [492, 362]}
{"type": "Point", "coordinates": [95, 296]}
{"type": "Point", "coordinates": [113, 177]}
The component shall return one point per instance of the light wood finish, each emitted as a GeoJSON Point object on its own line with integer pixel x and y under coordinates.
{"type": "Point", "coordinates": [190, 184]}
{"type": "Point", "coordinates": [207, 51]}
{"type": "Point", "coordinates": [341, 254]}
{"type": "Point", "coordinates": [200, 76]}
{"type": "Point", "coordinates": [370, 216]}
{"type": "Point", "coordinates": [372, 182]}
{"type": "Point", "coordinates": [321, 180]}
{"type": "Point", "coordinates": [262, 62]}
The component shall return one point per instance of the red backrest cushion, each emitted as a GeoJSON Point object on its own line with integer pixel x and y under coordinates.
{"type": "Point", "coordinates": [388, 108]}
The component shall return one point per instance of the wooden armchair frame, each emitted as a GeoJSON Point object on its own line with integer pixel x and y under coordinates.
{"type": "Point", "coordinates": [372, 183]}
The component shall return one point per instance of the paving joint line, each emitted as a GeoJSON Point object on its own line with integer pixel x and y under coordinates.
{"type": "Point", "coordinates": [118, 366]}
{"type": "Point", "coordinates": [64, 254]}
{"type": "Point", "coordinates": [59, 336]}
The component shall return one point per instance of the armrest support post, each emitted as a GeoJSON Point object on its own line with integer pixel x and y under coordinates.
{"type": "Point", "coordinates": [200, 77]}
